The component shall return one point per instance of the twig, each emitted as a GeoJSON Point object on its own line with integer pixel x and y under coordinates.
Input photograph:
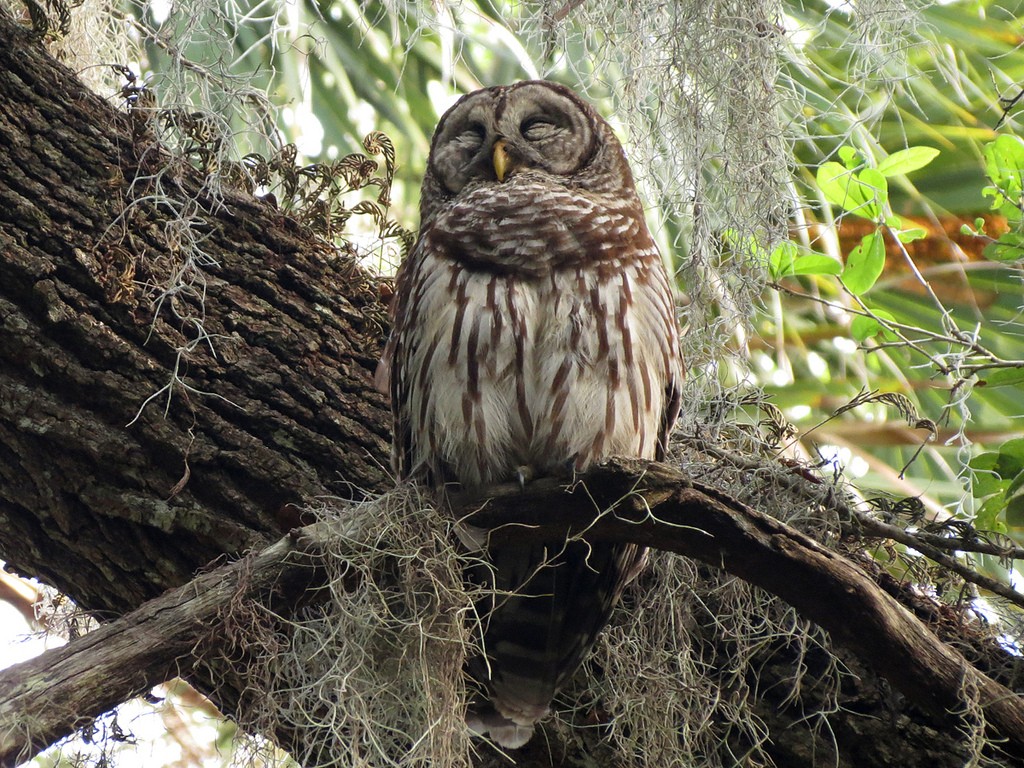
{"type": "Point", "coordinates": [930, 549]}
{"type": "Point", "coordinates": [991, 359]}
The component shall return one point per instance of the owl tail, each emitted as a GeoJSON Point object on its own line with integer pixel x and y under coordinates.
{"type": "Point", "coordinates": [487, 721]}
{"type": "Point", "coordinates": [550, 601]}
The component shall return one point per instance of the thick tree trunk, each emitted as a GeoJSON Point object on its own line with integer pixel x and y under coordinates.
{"type": "Point", "coordinates": [157, 411]}
{"type": "Point", "coordinates": [160, 410]}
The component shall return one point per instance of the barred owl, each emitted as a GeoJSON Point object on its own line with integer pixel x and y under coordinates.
{"type": "Point", "coordinates": [534, 333]}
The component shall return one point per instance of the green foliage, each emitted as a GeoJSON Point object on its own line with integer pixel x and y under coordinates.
{"type": "Point", "coordinates": [862, 191]}
{"type": "Point", "coordinates": [786, 260]}
{"type": "Point", "coordinates": [999, 483]}
{"type": "Point", "coordinates": [1004, 377]}
{"type": "Point", "coordinates": [864, 264]}
{"type": "Point", "coordinates": [906, 160]}
{"type": "Point", "coordinates": [1004, 166]}
{"type": "Point", "coordinates": [915, 321]}
{"type": "Point", "coordinates": [864, 327]}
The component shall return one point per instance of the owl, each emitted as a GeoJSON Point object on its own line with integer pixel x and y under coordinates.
{"type": "Point", "coordinates": [534, 333]}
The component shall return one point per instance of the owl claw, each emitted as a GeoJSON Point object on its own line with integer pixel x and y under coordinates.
{"type": "Point", "coordinates": [524, 474]}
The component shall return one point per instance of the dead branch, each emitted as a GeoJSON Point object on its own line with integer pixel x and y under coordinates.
{"type": "Point", "coordinates": [47, 698]}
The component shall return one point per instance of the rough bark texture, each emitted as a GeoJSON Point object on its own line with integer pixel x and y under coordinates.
{"type": "Point", "coordinates": [275, 407]}
{"type": "Point", "coordinates": [114, 508]}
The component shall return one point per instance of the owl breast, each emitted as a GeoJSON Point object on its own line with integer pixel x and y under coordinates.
{"type": "Point", "coordinates": [554, 353]}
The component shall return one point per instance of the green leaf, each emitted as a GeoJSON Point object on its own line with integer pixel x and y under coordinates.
{"type": "Point", "coordinates": [1011, 458]}
{"type": "Point", "coordinates": [1002, 473]}
{"type": "Point", "coordinates": [863, 327]}
{"type": "Point", "coordinates": [864, 264]}
{"type": "Point", "coordinates": [984, 462]}
{"type": "Point", "coordinates": [1011, 211]}
{"type": "Point", "coordinates": [816, 264]}
{"type": "Point", "coordinates": [1016, 485]}
{"type": "Point", "coordinates": [1015, 501]}
{"type": "Point", "coordinates": [1015, 509]}
{"type": "Point", "coordinates": [910, 235]}
{"type": "Point", "coordinates": [995, 194]}
{"type": "Point", "coordinates": [786, 260]}
{"type": "Point", "coordinates": [1004, 164]}
{"type": "Point", "coordinates": [1004, 377]}
{"type": "Point", "coordinates": [849, 157]}
{"type": "Point", "coordinates": [1009, 247]}
{"type": "Point", "coordinates": [834, 180]}
{"type": "Point", "coordinates": [907, 160]}
{"type": "Point", "coordinates": [989, 516]}
{"type": "Point", "coordinates": [781, 260]}
{"type": "Point", "coordinates": [862, 193]}
{"type": "Point", "coordinates": [986, 480]}
{"type": "Point", "coordinates": [875, 189]}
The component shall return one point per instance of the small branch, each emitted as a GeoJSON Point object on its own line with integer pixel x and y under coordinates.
{"type": "Point", "coordinates": [988, 359]}
{"type": "Point", "coordinates": [975, 544]}
{"type": "Point", "coordinates": [47, 698]}
{"type": "Point", "coordinates": [917, 274]}
{"type": "Point", "coordinates": [1007, 103]}
{"type": "Point", "coordinates": [930, 549]}
{"type": "Point", "coordinates": [560, 15]}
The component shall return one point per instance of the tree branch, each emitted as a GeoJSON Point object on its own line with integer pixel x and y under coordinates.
{"type": "Point", "coordinates": [658, 506]}
{"type": "Point", "coordinates": [47, 698]}
{"type": "Point", "coordinates": [642, 502]}
{"type": "Point", "coordinates": [929, 547]}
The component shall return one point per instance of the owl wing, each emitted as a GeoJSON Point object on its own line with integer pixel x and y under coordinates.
{"type": "Point", "coordinates": [409, 456]}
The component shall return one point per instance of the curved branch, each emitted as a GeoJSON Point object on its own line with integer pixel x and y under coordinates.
{"type": "Point", "coordinates": [635, 501]}
{"type": "Point", "coordinates": [658, 506]}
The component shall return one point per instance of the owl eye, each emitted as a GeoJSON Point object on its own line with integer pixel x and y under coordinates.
{"type": "Point", "coordinates": [472, 136]}
{"type": "Point", "coordinates": [538, 128]}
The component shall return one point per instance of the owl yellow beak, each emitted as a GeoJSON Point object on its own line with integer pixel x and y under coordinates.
{"type": "Point", "coordinates": [500, 158]}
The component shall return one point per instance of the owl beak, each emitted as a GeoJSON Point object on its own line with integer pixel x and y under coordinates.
{"type": "Point", "coordinates": [499, 156]}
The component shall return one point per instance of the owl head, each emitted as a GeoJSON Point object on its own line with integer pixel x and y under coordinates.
{"type": "Point", "coordinates": [537, 128]}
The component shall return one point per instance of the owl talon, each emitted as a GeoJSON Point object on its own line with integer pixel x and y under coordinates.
{"type": "Point", "coordinates": [524, 475]}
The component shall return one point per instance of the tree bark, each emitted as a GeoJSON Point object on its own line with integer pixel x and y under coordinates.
{"type": "Point", "coordinates": [162, 409]}
{"type": "Point", "coordinates": [66, 688]}
{"type": "Point", "coordinates": [144, 434]}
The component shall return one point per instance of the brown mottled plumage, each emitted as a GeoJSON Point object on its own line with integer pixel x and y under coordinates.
{"type": "Point", "coordinates": [534, 333]}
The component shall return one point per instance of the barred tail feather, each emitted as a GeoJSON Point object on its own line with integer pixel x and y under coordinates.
{"type": "Point", "coordinates": [550, 603]}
